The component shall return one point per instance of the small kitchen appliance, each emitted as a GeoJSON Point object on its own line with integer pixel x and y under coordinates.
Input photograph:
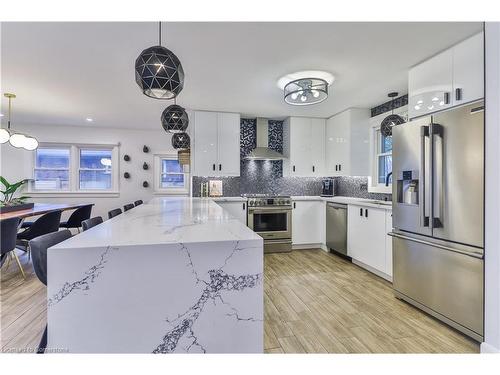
{"type": "Point", "coordinates": [328, 187]}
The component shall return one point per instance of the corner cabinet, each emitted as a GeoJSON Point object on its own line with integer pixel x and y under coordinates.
{"type": "Point", "coordinates": [216, 144]}
{"type": "Point", "coordinates": [304, 147]}
{"type": "Point", "coordinates": [367, 241]}
{"type": "Point", "coordinates": [451, 78]}
{"type": "Point", "coordinates": [347, 143]}
{"type": "Point", "coordinates": [308, 222]}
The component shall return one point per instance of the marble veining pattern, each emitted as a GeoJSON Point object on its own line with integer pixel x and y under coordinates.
{"type": "Point", "coordinates": [201, 294]}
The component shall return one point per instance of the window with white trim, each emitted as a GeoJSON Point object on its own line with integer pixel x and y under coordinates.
{"type": "Point", "coordinates": [383, 156]}
{"type": "Point", "coordinates": [171, 177]}
{"type": "Point", "coordinates": [75, 168]}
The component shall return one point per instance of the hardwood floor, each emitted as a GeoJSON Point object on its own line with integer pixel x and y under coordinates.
{"type": "Point", "coordinates": [315, 302]}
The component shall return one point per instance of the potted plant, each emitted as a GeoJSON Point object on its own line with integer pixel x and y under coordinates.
{"type": "Point", "coordinates": [10, 203]}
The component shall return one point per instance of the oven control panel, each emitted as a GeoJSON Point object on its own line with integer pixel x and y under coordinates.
{"type": "Point", "coordinates": [275, 201]}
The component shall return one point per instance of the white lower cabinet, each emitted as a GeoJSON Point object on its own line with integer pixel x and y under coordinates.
{"type": "Point", "coordinates": [367, 238]}
{"type": "Point", "coordinates": [308, 222]}
{"type": "Point", "coordinates": [236, 209]}
{"type": "Point", "coordinates": [388, 243]}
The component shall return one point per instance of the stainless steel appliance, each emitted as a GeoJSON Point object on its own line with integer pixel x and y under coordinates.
{"type": "Point", "coordinates": [271, 218]}
{"type": "Point", "coordinates": [328, 187]}
{"type": "Point", "coordinates": [438, 216]}
{"type": "Point", "coordinates": [336, 227]}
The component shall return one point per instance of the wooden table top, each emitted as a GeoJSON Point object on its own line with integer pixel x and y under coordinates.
{"type": "Point", "coordinates": [40, 209]}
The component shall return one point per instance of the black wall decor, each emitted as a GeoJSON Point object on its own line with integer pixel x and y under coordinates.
{"type": "Point", "coordinates": [145, 184]}
{"type": "Point", "coordinates": [145, 166]}
{"type": "Point", "coordinates": [174, 119]}
{"type": "Point", "coordinates": [390, 105]}
{"type": "Point", "coordinates": [145, 149]}
{"type": "Point", "coordinates": [126, 175]}
{"type": "Point", "coordinates": [126, 158]}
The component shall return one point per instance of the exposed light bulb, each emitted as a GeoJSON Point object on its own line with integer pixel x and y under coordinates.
{"type": "Point", "coordinates": [30, 143]}
{"type": "Point", "coordinates": [435, 99]}
{"type": "Point", "coordinates": [315, 93]}
{"type": "Point", "coordinates": [441, 103]}
{"type": "Point", "coordinates": [430, 107]}
{"type": "Point", "coordinates": [88, 119]}
{"type": "Point", "coordinates": [417, 107]}
{"type": "Point", "coordinates": [4, 135]}
{"type": "Point", "coordinates": [294, 95]}
{"type": "Point", "coordinates": [17, 140]}
{"type": "Point", "coordinates": [420, 101]}
{"type": "Point", "coordinates": [303, 98]}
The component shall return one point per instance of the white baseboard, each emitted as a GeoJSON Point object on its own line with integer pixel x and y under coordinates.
{"type": "Point", "coordinates": [487, 348]}
{"type": "Point", "coordinates": [372, 270]}
{"type": "Point", "coordinates": [310, 246]}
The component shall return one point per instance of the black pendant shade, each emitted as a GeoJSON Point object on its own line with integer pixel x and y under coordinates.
{"type": "Point", "coordinates": [180, 141]}
{"type": "Point", "coordinates": [392, 120]}
{"type": "Point", "coordinates": [174, 119]}
{"type": "Point", "coordinates": [159, 73]}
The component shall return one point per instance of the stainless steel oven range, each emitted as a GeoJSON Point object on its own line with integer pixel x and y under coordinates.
{"type": "Point", "coordinates": [271, 218]}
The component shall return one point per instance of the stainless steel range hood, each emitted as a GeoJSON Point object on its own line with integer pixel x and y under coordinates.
{"type": "Point", "coordinates": [262, 151]}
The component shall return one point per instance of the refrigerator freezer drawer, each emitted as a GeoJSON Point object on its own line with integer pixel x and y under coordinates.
{"type": "Point", "coordinates": [444, 282]}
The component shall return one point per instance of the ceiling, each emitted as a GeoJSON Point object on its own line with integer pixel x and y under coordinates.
{"type": "Point", "coordinates": [63, 73]}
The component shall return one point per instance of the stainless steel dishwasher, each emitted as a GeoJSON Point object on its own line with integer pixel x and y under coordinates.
{"type": "Point", "coordinates": [336, 227]}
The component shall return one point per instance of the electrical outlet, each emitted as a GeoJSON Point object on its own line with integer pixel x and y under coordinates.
{"type": "Point", "coordinates": [363, 186]}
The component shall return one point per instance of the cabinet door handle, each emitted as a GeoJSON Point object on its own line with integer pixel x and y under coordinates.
{"type": "Point", "coordinates": [458, 94]}
{"type": "Point", "coordinates": [366, 212]}
{"type": "Point", "coordinates": [313, 168]}
{"type": "Point", "coordinates": [360, 212]}
{"type": "Point", "coordinates": [244, 207]}
{"type": "Point", "coordinates": [213, 167]}
{"type": "Point", "coordinates": [446, 98]}
{"type": "Point", "coordinates": [336, 167]}
{"type": "Point", "coordinates": [340, 167]}
{"type": "Point", "coordinates": [294, 204]}
{"type": "Point", "coordinates": [220, 167]}
{"type": "Point", "coordinates": [293, 168]}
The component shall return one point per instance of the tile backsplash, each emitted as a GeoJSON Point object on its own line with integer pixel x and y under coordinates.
{"type": "Point", "coordinates": [266, 177]}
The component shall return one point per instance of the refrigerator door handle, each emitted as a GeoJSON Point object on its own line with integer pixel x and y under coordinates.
{"type": "Point", "coordinates": [424, 190]}
{"type": "Point", "coordinates": [473, 254]}
{"type": "Point", "coordinates": [437, 141]}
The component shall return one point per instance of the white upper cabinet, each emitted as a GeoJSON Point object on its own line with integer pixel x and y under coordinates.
{"type": "Point", "coordinates": [468, 70]}
{"type": "Point", "coordinates": [303, 147]}
{"type": "Point", "coordinates": [216, 144]}
{"type": "Point", "coordinates": [347, 143]}
{"type": "Point", "coordinates": [453, 77]}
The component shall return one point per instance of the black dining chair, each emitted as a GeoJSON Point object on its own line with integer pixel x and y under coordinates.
{"type": "Point", "coordinates": [39, 248]}
{"type": "Point", "coordinates": [138, 202]}
{"type": "Point", "coordinates": [115, 212]}
{"type": "Point", "coordinates": [8, 231]}
{"type": "Point", "coordinates": [46, 223]}
{"type": "Point", "coordinates": [92, 222]}
{"type": "Point", "coordinates": [128, 206]}
{"type": "Point", "coordinates": [76, 218]}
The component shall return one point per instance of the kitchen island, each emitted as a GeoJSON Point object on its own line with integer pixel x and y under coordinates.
{"type": "Point", "coordinates": [176, 275]}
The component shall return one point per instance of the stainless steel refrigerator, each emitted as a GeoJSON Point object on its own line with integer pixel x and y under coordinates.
{"type": "Point", "coordinates": [438, 216]}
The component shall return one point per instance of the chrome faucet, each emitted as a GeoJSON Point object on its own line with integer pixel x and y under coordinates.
{"type": "Point", "coordinates": [387, 178]}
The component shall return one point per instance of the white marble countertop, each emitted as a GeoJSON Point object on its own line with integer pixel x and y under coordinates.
{"type": "Point", "coordinates": [348, 200]}
{"type": "Point", "coordinates": [228, 199]}
{"type": "Point", "coordinates": [165, 220]}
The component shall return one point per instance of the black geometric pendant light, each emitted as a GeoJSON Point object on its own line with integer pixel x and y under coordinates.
{"type": "Point", "coordinates": [392, 120]}
{"type": "Point", "coordinates": [158, 72]}
{"type": "Point", "coordinates": [180, 141]}
{"type": "Point", "coordinates": [174, 119]}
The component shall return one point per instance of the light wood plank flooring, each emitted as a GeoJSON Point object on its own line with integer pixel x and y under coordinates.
{"type": "Point", "coordinates": [315, 302]}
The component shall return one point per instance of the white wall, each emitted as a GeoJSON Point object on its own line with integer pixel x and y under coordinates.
{"type": "Point", "coordinates": [492, 190]}
{"type": "Point", "coordinates": [14, 163]}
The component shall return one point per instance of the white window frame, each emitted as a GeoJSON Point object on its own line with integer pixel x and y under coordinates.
{"type": "Point", "coordinates": [157, 176]}
{"type": "Point", "coordinates": [35, 168]}
{"type": "Point", "coordinates": [373, 185]}
{"type": "Point", "coordinates": [74, 171]}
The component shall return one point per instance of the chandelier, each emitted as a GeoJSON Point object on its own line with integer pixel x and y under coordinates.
{"type": "Point", "coordinates": [17, 140]}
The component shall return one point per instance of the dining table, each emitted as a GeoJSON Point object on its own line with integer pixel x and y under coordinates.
{"type": "Point", "coordinates": [40, 209]}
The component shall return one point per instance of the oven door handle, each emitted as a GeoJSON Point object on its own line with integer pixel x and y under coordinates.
{"type": "Point", "coordinates": [267, 211]}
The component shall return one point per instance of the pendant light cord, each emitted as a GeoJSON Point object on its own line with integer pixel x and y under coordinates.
{"type": "Point", "coordinates": [10, 106]}
{"type": "Point", "coordinates": [159, 32]}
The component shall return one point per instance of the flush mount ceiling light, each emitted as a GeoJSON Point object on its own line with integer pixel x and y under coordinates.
{"type": "Point", "coordinates": [174, 119]}
{"type": "Point", "coordinates": [306, 87]}
{"type": "Point", "coordinates": [392, 120]}
{"type": "Point", "coordinates": [17, 140]}
{"type": "Point", "coordinates": [158, 72]}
